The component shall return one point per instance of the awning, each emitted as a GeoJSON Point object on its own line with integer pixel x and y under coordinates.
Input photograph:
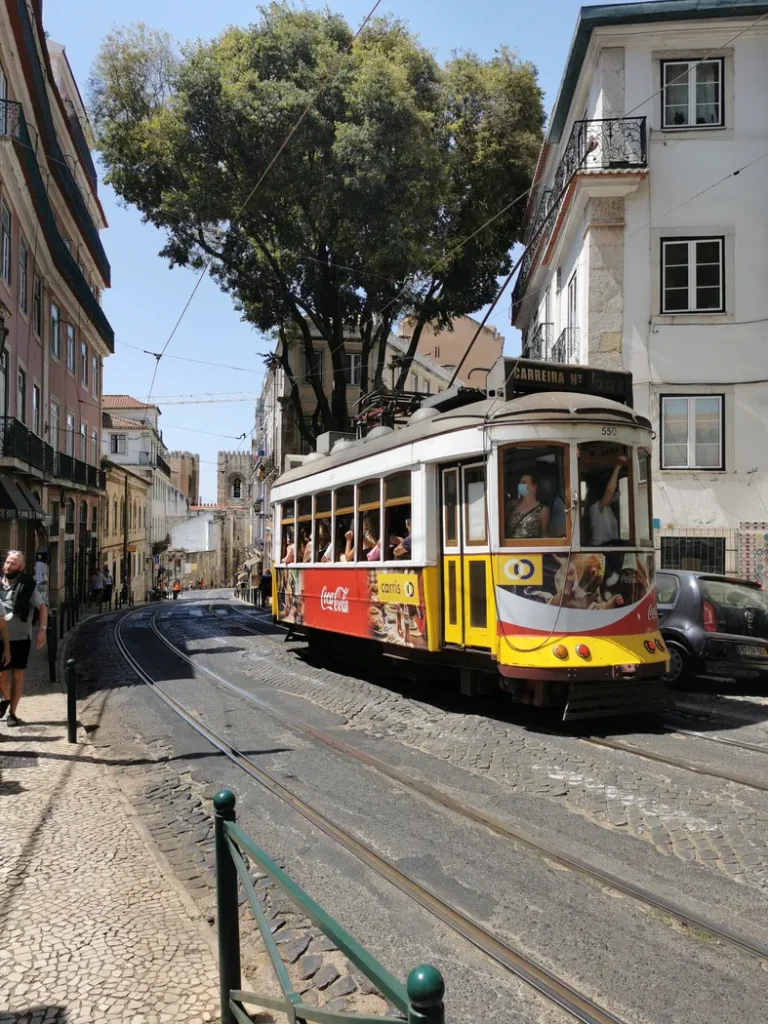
{"type": "Point", "coordinates": [17, 501]}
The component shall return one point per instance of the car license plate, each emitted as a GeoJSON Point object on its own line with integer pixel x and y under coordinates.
{"type": "Point", "coordinates": [753, 652]}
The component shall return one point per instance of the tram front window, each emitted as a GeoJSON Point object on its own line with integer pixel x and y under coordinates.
{"type": "Point", "coordinates": [605, 484]}
{"type": "Point", "coordinates": [534, 492]}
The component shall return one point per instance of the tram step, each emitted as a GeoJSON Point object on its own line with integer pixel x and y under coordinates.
{"type": "Point", "coordinates": [610, 700]}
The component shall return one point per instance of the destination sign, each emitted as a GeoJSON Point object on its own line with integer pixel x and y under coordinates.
{"type": "Point", "coordinates": [526, 376]}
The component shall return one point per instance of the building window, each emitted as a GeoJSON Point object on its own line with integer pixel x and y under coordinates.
{"type": "Point", "coordinates": [306, 370]}
{"type": "Point", "coordinates": [692, 275]}
{"type": "Point", "coordinates": [70, 433]}
{"type": "Point", "coordinates": [53, 431]}
{"type": "Point", "coordinates": [692, 93]}
{"type": "Point", "coordinates": [437, 351]}
{"type": "Point", "coordinates": [71, 348]}
{"type": "Point", "coordinates": [21, 395]}
{"type": "Point", "coordinates": [55, 331]}
{"type": "Point", "coordinates": [95, 447]}
{"type": "Point", "coordinates": [700, 554]}
{"type": "Point", "coordinates": [114, 516]}
{"type": "Point", "coordinates": [23, 270]}
{"type": "Point", "coordinates": [69, 516]}
{"type": "Point", "coordinates": [95, 374]}
{"type": "Point", "coordinates": [237, 488]}
{"type": "Point", "coordinates": [106, 517]}
{"type": "Point", "coordinates": [84, 363]}
{"type": "Point", "coordinates": [5, 242]}
{"type": "Point", "coordinates": [352, 366]}
{"type": "Point", "coordinates": [83, 442]}
{"type": "Point", "coordinates": [94, 518]}
{"type": "Point", "coordinates": [37, 305]}
{"type": "Point", "coordinates": [36, 426]}
{"type": "Point", "coordinates": [117, 444]}
{"type": "Point", "coordinates": [692, 432]}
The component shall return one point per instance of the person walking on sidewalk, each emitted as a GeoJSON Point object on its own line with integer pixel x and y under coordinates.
{"type": "Point", "coordinates": [97, 588]}
{"type": "Point", "coordinates": [108, 585]}
{"type": "Point", "coordinates": [18, 598]}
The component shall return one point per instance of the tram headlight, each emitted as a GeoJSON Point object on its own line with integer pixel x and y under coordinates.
{"type": "Point", "coordinates": [560, 651]}
{"type": "Point", "coordinates": [583, 651]}
{"type": "Point", "coordinates": [650, 646]}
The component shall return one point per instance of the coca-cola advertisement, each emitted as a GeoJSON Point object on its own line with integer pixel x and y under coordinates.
{"type": "Point", "coordinates": [380, 604]}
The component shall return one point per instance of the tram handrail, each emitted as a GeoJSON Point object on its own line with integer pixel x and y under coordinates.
{"type": "Point", "coordinates": [420, 999]}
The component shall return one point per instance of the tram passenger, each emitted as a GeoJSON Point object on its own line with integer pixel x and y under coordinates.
{"type": "Point", "coordinates": [290, 550]}
{"type": "Point", "coordinates": [348, 554]}
{"type": "Point", "coordinates": [324, 546]}
{"type": "Point", "coordinates": [371, 546]}
{"type": "Point", "coordinates": [603, 524]}
{"type": "Point", "coordinates": [306, 546]}
{"type": "Point", "coordinates": [403, 547]}
{"type": "Point", "coordinates": [529, 517]}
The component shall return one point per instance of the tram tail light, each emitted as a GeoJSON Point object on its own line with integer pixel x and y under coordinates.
{"type": "Point", "coordinates": [583, 651]}
{"type": "Point", "coordinates": [560, 651]}
{"type": "Point", "coordinates": [650, 646]}
{"type": "Point", "coordinates": [660, 646]}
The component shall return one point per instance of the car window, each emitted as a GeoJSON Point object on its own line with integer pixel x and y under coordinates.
{"type": "Point", "coordinates": [666, 588]}
{"type": "Point", "coordinates": [723, 594]}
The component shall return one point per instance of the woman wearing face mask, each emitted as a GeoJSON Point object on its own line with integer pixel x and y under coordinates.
{"type": "Point", "coordinates": [528, 517]}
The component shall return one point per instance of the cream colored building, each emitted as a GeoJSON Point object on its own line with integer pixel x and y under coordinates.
{"type": "Point", "coordinates": [124, 526]}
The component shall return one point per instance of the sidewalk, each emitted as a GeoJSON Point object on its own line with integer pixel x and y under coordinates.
{"type": "Point", "coordinates": [92, 928]}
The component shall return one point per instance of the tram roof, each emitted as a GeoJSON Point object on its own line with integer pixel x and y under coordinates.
{"type": "Point", "coordinates": [540, 406]}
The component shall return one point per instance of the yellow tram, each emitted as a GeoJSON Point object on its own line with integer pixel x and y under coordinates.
{"type": "Point", "coordinates": [507, 534]}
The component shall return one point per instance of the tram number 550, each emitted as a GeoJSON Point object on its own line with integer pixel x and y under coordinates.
{"type": "Point", "coordinates": [608, 431]}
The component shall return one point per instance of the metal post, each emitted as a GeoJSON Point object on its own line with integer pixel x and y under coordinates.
{"type": "Point", "coordinates": [51, 635]}
{"type": "Point", "coordinates": [228, 920]}
{"type": "Point", "coordinates": [425, 988]}
{"type": "Point", "coordinates": [71, 701]}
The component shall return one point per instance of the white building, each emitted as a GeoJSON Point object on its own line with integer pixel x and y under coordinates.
{"type": "Point", "coordinates": [645, 254]}
{"type": "Point", "coordinates": [131, 437]}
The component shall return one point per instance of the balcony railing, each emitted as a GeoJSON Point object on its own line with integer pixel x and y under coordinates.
{"type": "Point", "coordinates": [17, 441]}
{"type": "Point", "coordinates": [610, 144]}
{"type": "Point", "coordinates": [162, 464]}
{"type": "Point", "coordinates": [13, 126]}
{"type": "Point", "coordinates": [567, 348]}
{"type": "Point", "coordinates": [539, 344]}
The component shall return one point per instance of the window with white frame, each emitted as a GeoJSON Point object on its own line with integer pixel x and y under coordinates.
{"type": "Point", "coordinates": [36, 410]}
{"type": "Point", "coordinates": [71, 348]}
{"type": "Point", "coordinates": [692, 275]}
{"type": "Point", "coordinates": [692, 93]}
{"type": "Point", "coordinates": [55, 331]}
{"type": "Point", "coordinates": [352, 367]}
{"type": "Point", "coordinates": [70, 438]}
{"type": "Point", "coordinates": [23, 276]}
{"type": "Point", "coordinates": [84, 355]}
{"type": "Point", "coordinates": [692, 432]}
{"type": "Point", "coordinates": [54, 426]}
{"type": "Point", "coordinates": [117, 444]}
{"type": "Point", "coordinates": [95, 373]}
{"type": "Point", "coordinates": [83, 442]}
{"type": "Point", "coordinates": [5, 242]}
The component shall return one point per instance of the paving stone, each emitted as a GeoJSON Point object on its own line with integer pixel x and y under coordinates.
{"type": "Point", "coordinates": [309, 965]}
{"type": "Point", "coordinates": [343, 987]}
{"type": "Point", "coordinates": [291, 951]}
{"type": "Point", "coordinates": [326, 976]}
{"type": "Point", "coordinates": [322, 945]}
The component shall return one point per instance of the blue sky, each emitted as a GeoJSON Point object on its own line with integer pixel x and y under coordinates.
{"type": "Point", "coordinates": [146, 297]}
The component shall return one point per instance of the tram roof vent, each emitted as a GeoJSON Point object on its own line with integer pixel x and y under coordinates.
{"type": "Point", "coordinates": [423, 414]}
{"type": "Point", "coordinates": [381, 431]}
{"type": "Point", "coordinates": [343, 445]}
{"type": "Point", "coordinates": [314, 456]}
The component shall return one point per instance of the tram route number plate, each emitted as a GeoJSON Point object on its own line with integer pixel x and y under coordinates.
{"type": "Point", "coordinates": [747, 651]}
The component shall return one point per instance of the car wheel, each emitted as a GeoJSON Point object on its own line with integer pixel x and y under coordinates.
{"type": "Point", "coordinates": [680, 667]}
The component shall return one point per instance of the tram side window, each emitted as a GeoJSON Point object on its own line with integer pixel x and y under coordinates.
{"type": "Point", "coordinates": [369, 522]}
{"type": "Point", "coordinates": [397, 516]}
{"type": "Point", "coordinates": [605, 487]}
{"type": "Point", "coordinates": [304, 530]}
{"type": "Point", "coordinates": [323, 545]}
{"type": "Point", "coordinates": [344, 525]}
{"type": "Point", "coordinates": [644, 513]}
{"type": "Point", "coordinates": [287, 545]}
{"type": "Point", "coordinates": [534, 492]}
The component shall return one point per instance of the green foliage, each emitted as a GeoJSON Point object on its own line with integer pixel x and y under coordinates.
{"type": "Point", "coordinates": [362, 217]}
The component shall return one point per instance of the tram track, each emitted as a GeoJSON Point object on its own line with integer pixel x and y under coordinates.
{"type": "Point", "coordinates": [554, 989]}
{"type": "Point", "coordinates": [639, 894]}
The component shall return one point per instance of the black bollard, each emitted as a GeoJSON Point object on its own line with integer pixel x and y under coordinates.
{"type": "Point", "coordinates": [71, 701]}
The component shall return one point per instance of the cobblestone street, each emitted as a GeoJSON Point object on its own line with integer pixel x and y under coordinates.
{"type": "Point", "coordinates": [93, 928]}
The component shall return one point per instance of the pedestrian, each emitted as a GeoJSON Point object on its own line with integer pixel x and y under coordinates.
{"type": "Point", "coordinates": [108, 585]}
{"type": "Point", "coordinates": [176, 589]}
{"type": "Point", "coordinates": [19, 597]}
{"type": "Point", "coordinates": [97, 588]}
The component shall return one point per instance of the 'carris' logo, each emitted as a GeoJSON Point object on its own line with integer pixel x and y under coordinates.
{"type": "Point", "coordinates": [334, 600]}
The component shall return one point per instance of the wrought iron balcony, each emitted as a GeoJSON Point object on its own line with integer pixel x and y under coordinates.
{"type": "Point", "coordinates": [567, 348]}
{"type": "Point", "coordinates": [539, 344]}
{"type": "Point", "coordinates": [608, 144]}
{"type": "Point", "coordinates": [18, 442]}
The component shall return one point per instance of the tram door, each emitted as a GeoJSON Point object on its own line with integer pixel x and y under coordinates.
{"type": "Point", "coordinates": [467, 587]}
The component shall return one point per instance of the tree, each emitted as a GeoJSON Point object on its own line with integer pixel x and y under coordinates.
{"type": "Point", "coordinates": [364, 216]}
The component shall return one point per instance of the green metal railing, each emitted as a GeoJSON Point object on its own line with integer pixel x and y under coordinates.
{"type": "Point", "coordinates": [420, 1000]}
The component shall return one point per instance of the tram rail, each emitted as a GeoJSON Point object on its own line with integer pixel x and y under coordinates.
{"type": "Point", "coordinates": [553, 988]}
{"type": "Point", "coordinates": [639, 894]}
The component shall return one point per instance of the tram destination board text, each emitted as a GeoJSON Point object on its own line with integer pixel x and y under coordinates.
{"type": "Point", "coordinates": [516, 377]}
